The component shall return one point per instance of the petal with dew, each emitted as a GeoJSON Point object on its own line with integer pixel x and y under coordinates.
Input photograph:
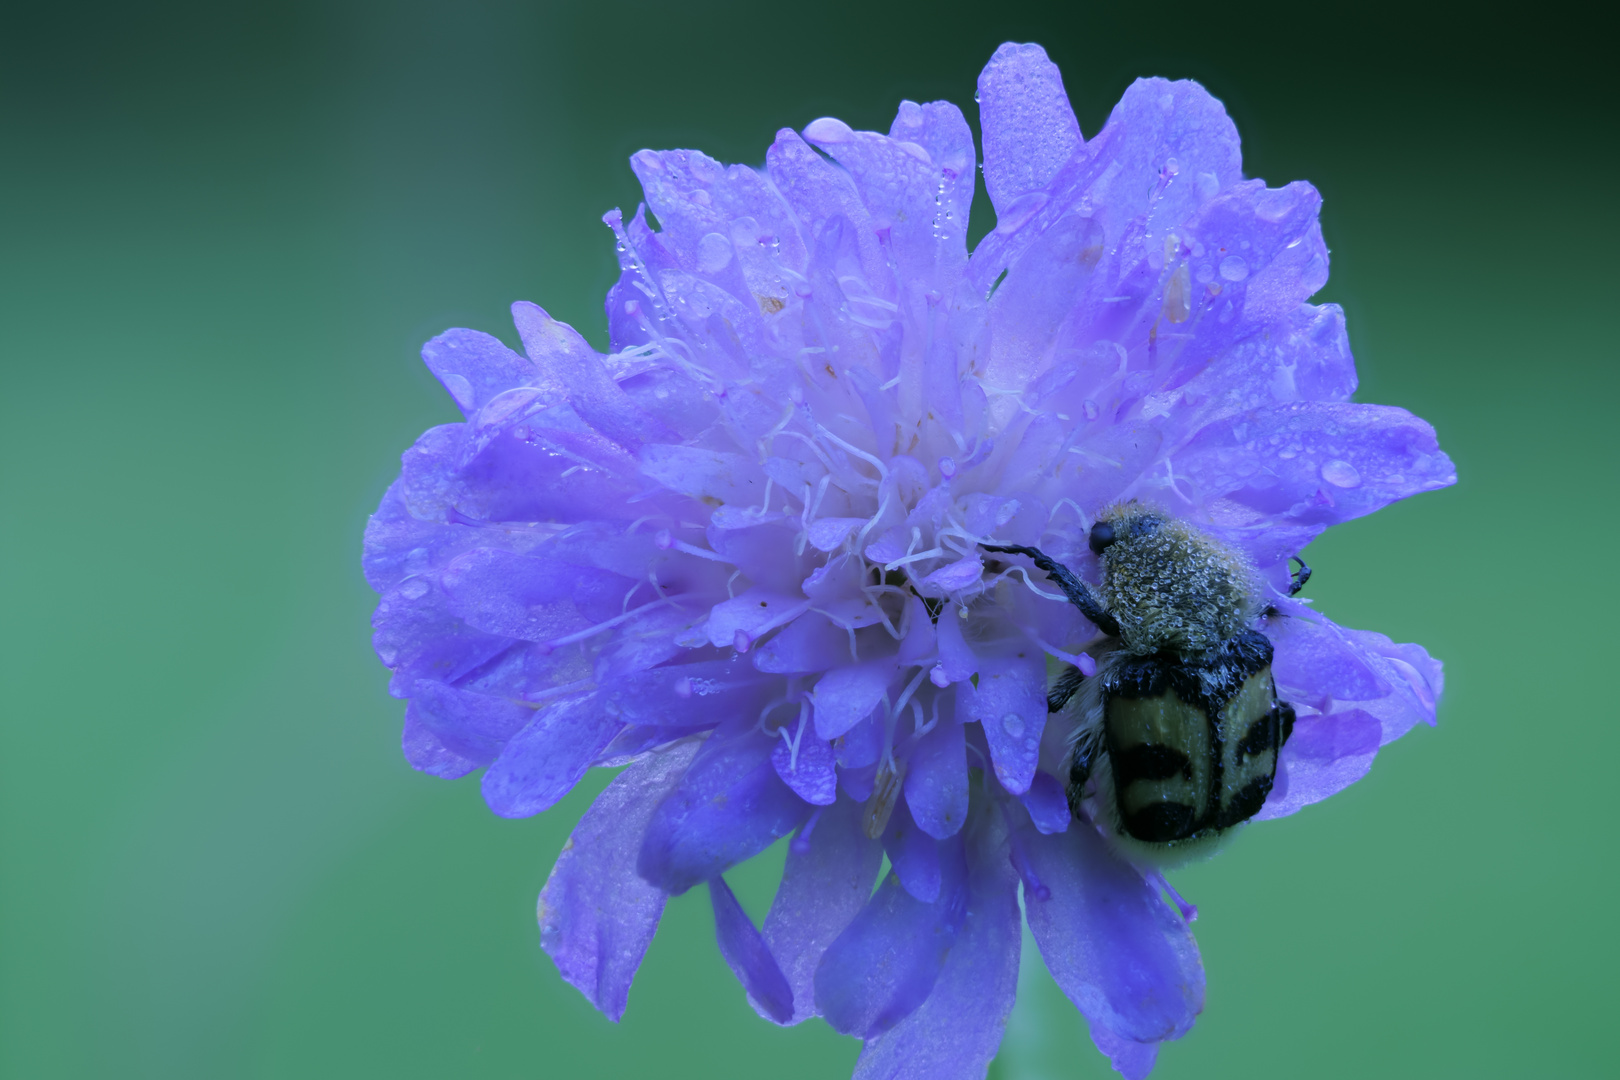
{"type": "Point", "coordinates": [885, 963]}
{"type": "Point", "coordinates": [956, 1031]}
{"type": "Point", "coordinates": [1118, 950]}
{"type": "Point", "coordinates": [1314, 462]}
{"type": "Point", "coordinates": [937, 780]}
{"type": "Point", "coordinates": [1010, 703]}
{"type": "Point", "coordinates": [1314, 662]}
{"type": "Point", "coordinates": [427, 753]}
{"type": "Point", "coordinates": [844, 696]}
{"type": "Point", "coordinates": [567, 360]}
{"type": "Point", "coordinates": [1417, 679]}
{"type": "Point", "coordinates": [596, 916]}
{"type": "Point", "coordinates": [1029, 129]}
{"type": "Point", "coordinates": [475, 367]}
{"type": "Point", "coordinates": [729, 806]}
{"type": "Point", "coordinates": [828, 878]}
{"type": "Point", "coordinates": [545, 760]}
{"type": "Point", "coordinates": [810, 770]}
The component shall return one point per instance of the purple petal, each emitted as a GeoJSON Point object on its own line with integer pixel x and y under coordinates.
{"type": "Point", "coordinates": [914, 855]}
{"type": "Point", "coordinates": [921, 641]}
{"type": "Point", "coordinates": [752, 614]}
{"type": "Point", "coordinates": [728, 807]}
{"type": "Point", "coordinates": [1029, 129]}
{"type": "Point", "coordinates": [1305, 357]}
{"type": "Point", "coordinates": [748, 956]}
{"type": "Point", "coordinates": [696, 197]}
{"type": "Point", "coordinates": [596, 915]}
{"type": "Point", "coordinates": [1315, 462]}
{"type": "Point", "coordinates": [1325, 755]}
{"type": "Point", "coordinates": [827, 534]}
{"type": "Point", "coordinates": [887, 960]}
{"type": "Point", "coordinates": [844, 696]}
{"type": "Point", "coordinates": [828, 879]}
{"type": "Point", "coordinates": [545, 760]}
{"type": "Point", "coordinates": [533, 597]}
{"type": "Point", "coordinates": [956, 657]}
{"type": "Point", "coordinates": [898, 181]}
{"type": "Point", "coordinates": [764, 553]}
{"type": "Point", "coordinates": [687, 696]}
{"type": "Point", "coordinates": [1132, 1060]}
{"type": "Point", "coordinates": [1010, 703]}
{"type": "Point", "coordinates": [1417, 678]}
{"type": "Point", "coordinates": [472, 724]}
{"type": "Point", "coordinates": [822, 193]}
{"type": "Point", "coordinates": [956, 1031]}
{"type": "Point", "coordinates": [954, 576]}
{"type": "Point", "coordinates": [1047, 804]}
{"type": "Point", "coordinates": [1155, 121]}
{"type": "Point", "coordinates": [705, 474]}
{"type": "Point", "coordinates": [937, 780]}
{"type": "Point", "coordinates": [811, 772]}
{"type": "Point", "coordinates": [427, 753]}
{"type": "Point", "coordinates": [1120, 953]}
{"type": "Point", "coordinates": [808, 643]}
{"type": "Point", "coordinates": [567, 360]}
{"type": "Point", "coordinates": [475, 367]}
{"type": "Point", "coordinates": [1315, 661]}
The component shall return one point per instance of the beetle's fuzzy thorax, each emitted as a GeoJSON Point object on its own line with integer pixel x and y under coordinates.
{"type": "Point", "coordinates": [1172, 587]}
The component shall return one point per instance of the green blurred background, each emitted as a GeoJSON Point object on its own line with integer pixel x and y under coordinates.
{"type": "Point", "coordinates": [226, 230]}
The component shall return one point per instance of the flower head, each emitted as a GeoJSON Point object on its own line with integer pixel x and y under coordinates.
{"type": "Point", "coordinates": [742, 551]}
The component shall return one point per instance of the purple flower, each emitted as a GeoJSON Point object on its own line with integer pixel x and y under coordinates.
{"type": "Point", "coordinates": [741, 552]}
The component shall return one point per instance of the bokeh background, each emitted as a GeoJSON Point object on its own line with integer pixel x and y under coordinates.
{"type": "Point", "coordinates": [226, 229]}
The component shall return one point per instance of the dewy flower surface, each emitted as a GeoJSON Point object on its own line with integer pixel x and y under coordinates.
{"type": "Point", "coordinates": [740, 552]}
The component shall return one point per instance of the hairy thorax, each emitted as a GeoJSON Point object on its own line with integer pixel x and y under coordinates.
{"type": "Point", "coordinates": [1172, 588]}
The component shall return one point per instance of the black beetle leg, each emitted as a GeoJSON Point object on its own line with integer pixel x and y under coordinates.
{"type": "Point", "coordinates": [1298, 579]}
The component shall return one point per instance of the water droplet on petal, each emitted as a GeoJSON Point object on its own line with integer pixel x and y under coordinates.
{"type": "Point", "coordinates": [414, 589]}
{"type": "Point", "coordinates": [1234, 268]}
{"type": "Point", "coordinates": [1341, 474]}
{"type": "Point", "coordinates": [1013, 724]}
{"type": "Point", "coordinates": [938, 677]}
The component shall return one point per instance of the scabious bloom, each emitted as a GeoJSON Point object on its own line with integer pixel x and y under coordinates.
{"type": "Point", "coordinates": [740, 552]}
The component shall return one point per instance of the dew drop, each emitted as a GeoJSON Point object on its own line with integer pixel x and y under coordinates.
{"type": "Point", "coordinates": [1341, 473]}
{"type": "Point", "coordinates": [1091, 409]}
{"type": "Point", "coordinates": [1234, 268]}
{"type": "Point", "coordinates": [947, 467]}
{"type": "Point", "coordinates": [414, 589]}
{"type": "Point", "coordinates": [1013, 724]}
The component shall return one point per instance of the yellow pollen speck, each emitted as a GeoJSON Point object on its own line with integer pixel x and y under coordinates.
{"type": "Point", "coordinates": [1178, 296]}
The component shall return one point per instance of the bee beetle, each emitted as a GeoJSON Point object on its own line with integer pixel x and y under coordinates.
{"type": "Point", "coordinates": [1177, 732]}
